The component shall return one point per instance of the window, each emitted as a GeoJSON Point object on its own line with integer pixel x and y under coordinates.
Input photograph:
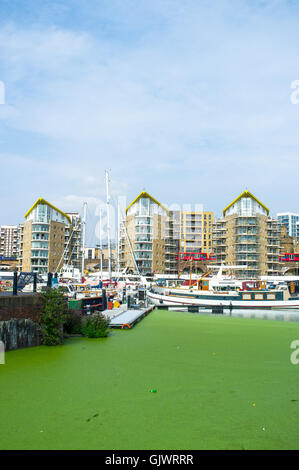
{"type": "Point", "coordinates": [246, 296]}
{"type": "Point", "coordinates": [258, 296]}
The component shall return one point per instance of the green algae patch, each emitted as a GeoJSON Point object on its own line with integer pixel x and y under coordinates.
{"type": "Point", "coordinates": [222, 383]}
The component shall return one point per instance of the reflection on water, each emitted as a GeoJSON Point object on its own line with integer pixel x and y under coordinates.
{"type": "Point", "coordinates": [282, 315]}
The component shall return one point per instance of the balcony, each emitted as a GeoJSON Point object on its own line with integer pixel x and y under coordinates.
{"type": "Point", "coordinates": [39, 239]}
{"type": "Point", "coordinates": [143, 257]}
{"type": "Point", "coordinates": [40, 230]}
{"type": "Point", "coordinates": [143, 249]}
{"type": "Point", "coordinates": [38, 264]}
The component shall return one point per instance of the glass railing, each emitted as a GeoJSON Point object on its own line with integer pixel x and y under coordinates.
{"type": "Point", "coordinates": [143, 256]}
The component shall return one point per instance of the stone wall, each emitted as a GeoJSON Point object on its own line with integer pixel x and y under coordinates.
{"type": "Point", "coordinates": [20, 333]}
{"type": "Point", "coordinates": [18, 321]}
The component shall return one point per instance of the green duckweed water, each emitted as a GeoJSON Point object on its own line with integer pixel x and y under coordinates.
{"type": "Point", "coordinates": [220, 382]}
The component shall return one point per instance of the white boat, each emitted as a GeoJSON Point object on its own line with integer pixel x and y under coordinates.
{"type": "Point", "coordinates": [225, 293]}
{"type": "Point", "coordinates": [255, 299]}
{"type": "Point", "coordinates": [70, 273]}
{"type": "Point", "coordinates": [67, 288]}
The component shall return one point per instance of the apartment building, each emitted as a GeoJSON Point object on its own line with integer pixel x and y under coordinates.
{"type": "Point", "coordinates": [46, 239]}
{"type": "Point", "coordinates": [143, 236]}
{"type": "Point", "coordinates": [9, 241]}
{"type": "Point", "coordinates": [291, 221]}
{"type": "Point", "coordinates": [196, 232]}
{"type": "Point", "coordinates": [247, 235]}
{"type": "Point", "coordinates": [157, 235]}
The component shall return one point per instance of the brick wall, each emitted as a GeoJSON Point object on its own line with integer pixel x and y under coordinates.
{"type": "Point", "coordinates": [19, 307]}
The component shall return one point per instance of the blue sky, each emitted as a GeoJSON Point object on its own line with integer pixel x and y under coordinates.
{"type": "Point", "coordinates": [189, 100]}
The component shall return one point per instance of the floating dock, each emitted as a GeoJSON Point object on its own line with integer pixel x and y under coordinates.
{"type": "Point", "coordinates": [127, 318]}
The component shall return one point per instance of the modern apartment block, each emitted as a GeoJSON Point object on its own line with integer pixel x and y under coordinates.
{"type": "Point", "coordinates": [291, 221]}
{"type": "Point", "coordinates": [157, 235]}
{"type": "Point", "coordinates": [46, 239]}
{"type": "Point", "coordinates": [143, 236]}
{"type": "Point", "coordinates": [9, 241]}
{"type": "Point", "coordinates": [196, 232]}
{"type": "Point", "coordinates": [247, 235]}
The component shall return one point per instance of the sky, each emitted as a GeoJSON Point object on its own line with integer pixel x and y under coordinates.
{"type": "Point", "coordinates": [189, 100]}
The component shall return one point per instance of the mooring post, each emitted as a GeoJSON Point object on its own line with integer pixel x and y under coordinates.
{"type": "Point", "coordinates": [15, 283]}
{"type": "Point", "coordinates": [104, 299]}
{"type": "Point", "coordinates": [34, 282]}
{"type": "Point", "coordinates": [49, 283]}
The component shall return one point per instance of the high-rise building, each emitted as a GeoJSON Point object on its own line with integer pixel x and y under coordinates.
{"type": "Point", "coordinates": [46, 239]}
{"type": "Point", "coordinates": [196, 232]}
{"type": "Point", "coordinates": [157, 235]}
{"type": "Point", "coordinates": [289, 220]}
{"type": "Point", "coordinates": [143, 236]}
{"type": "Point", "coordinates": [9, 241]}
{"type": "Point", "coordinates": [247, 235]}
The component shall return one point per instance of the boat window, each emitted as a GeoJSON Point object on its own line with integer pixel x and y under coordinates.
{"type": "Point", "coordinates": [271, 296]}
{"type": "Point", "coordinates": [259, 296]}
{"type": "Point", "coordinates": [246, 296]}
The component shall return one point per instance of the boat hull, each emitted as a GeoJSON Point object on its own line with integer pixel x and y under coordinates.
{"type": "Point", "coordinates": [175, 300]}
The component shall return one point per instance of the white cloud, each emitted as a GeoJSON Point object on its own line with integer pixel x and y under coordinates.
{"type": "Point", "coordinates": [175, 95]}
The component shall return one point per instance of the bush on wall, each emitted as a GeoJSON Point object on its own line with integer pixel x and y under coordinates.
{"type": "Point", "coordinates": [53, 315]}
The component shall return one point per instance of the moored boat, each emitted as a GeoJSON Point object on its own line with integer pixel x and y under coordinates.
{"type": "Point", "coordinates": [249, 299]}
{"type": "Point", "coordinates": [225, 293]}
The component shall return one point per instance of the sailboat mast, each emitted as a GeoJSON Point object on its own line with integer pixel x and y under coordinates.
{"type": "Point", "coordinates": [83, 237]}
{"type": "Point", "coordinates": [108, 222]}
{"type": "Point", "coordinates": [118, 236]}
{"type": "Point", "coordinates": [101, 245]}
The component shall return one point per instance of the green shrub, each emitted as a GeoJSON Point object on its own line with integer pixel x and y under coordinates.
{"type": "Point", "coordinates": [95, 325]}
{"type": "Point", "coordinates": [73, 323]}
{"type": "Point", "coordinates": [52, 316]}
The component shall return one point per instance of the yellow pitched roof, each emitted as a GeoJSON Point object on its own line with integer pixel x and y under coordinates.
{"type": "Point", "coordinates": [246, 194]}
{"type": "Point", "coordinates": [43, 201]}
{"type": "Point", "coordinates": [145, 194]}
